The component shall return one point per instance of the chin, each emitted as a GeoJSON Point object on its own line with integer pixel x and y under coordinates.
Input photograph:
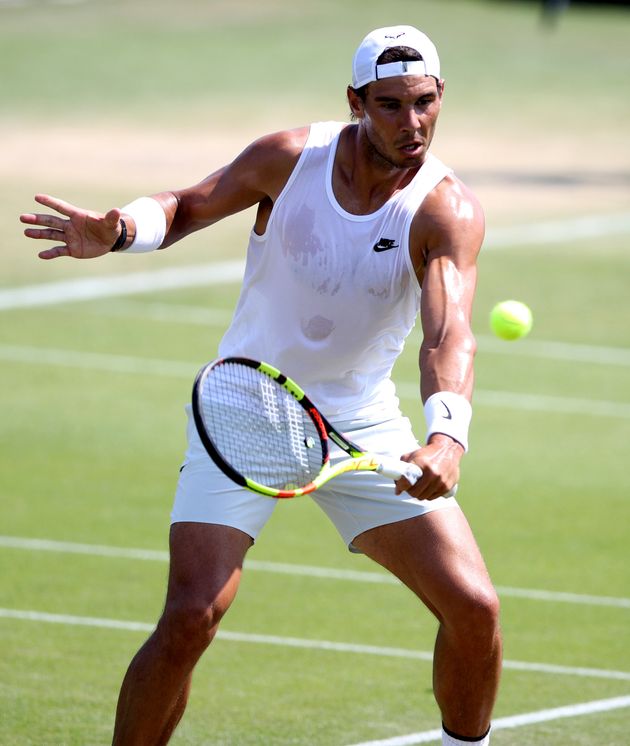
{"type": "Point", "coordinates": [412, 161]}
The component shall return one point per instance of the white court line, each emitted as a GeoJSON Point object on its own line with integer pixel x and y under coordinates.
{"type": "Point", "coordinates": [98, 361]}
{"type": "Point", "coordinates": [326, 573]}
{"type": "Point", "coordinates": [172, 368]}
{"type": "Point", "coordinates": [514, 721]}
{"type": "Point", "coordinates": [531, 348]}
{"type": "Point", "coordinates": [171, 313]}
{"type": "Point", "coordinates": [534, 402]}
{"type": "Point", "coordinates": [87, 288]}
{"type": "Point", "coordinates": [306, 644]}
{"type": "Point", "coordinates": [550, 350]}
{"type": "Point", "coordinates": [558, 231]}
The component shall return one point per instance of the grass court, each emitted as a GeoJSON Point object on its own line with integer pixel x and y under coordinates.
{"type": "Point", "coordinates": [103, 102]}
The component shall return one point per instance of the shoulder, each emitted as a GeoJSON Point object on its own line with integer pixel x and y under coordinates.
{"type": "Point", "coordinates": [450, 219]}
{"type": "Point", "coordinates": [275, 150]}
{"type": "Point", "coordinates": [281, 143]}
{"type": "Point", "coordinates": [291, 142]}
{"type": "Point", "coordinates": [267, 163]}
{"type": "Point", "coordinates": [452, 206]}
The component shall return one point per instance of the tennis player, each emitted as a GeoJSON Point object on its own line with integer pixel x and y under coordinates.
{"type": "Point", "coordinates": [358, 229]}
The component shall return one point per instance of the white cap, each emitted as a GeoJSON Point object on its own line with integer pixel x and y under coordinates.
{"type": "Point", "coordinates": [364, 67]}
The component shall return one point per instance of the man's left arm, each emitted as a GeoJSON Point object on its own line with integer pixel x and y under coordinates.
{"type": "Point", "coordinates": [446, 238]}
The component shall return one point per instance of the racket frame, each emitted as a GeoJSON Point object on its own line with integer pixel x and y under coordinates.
{"type": "Point", "coordinates": [358, 460]}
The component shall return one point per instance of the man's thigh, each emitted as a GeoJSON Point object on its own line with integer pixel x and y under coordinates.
{"type": "Point", "coordinates": [435, 555]}
{"type": "Point", "coordinates": [206, 562]}
{"type": "Point", "coordinates": [358, 501]}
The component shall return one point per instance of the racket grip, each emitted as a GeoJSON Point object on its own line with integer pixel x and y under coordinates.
{"type": "Point", "coordinates": [395, 469]}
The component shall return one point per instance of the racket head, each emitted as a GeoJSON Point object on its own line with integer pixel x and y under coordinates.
{"type": "Point", "coordinates": [259, 427]}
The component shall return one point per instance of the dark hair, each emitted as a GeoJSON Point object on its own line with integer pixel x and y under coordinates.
{"type": "Point", "coordinates": [391, 54]}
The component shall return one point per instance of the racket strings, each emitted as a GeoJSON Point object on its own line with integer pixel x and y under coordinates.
{"type": "Point", "coordinates": [259, 428]}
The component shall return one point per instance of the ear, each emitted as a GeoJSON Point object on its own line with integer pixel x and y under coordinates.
{"type": "Point", "coordinates": [441, 86]}
{"type": "Point", "coordinates": [355, 102]}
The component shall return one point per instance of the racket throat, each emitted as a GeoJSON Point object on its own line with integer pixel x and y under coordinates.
{"type": "Point", "coordinates": [345, 445]}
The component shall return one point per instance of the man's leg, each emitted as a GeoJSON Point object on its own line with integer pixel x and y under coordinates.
{"type": "Point", "coordinates": [437, 557]}
{"type": "Point", "coordinates": [205, 570]}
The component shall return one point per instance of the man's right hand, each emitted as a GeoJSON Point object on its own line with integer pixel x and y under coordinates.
{"type": "Point", "coordinates": [81, 234]}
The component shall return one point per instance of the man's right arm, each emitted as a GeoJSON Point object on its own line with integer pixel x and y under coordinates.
{"type": "Point", "coordinates": [258, 173]}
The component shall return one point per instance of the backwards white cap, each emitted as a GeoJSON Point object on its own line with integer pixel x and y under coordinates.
{"type": "Point", "coordinates": [364, 67]}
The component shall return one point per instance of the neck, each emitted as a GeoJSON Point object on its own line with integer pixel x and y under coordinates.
{"type": "Point", "coordinates": [363, 179]}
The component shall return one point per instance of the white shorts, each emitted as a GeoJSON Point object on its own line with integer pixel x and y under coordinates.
{"type": "Point", "coordinates": [354, 502]}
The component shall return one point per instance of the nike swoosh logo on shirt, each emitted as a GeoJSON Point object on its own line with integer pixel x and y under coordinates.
{"type": "Point", "coordinates": [384, 244]}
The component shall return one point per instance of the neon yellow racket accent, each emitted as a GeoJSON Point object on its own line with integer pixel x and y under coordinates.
{"type": "Point", "coordinates": [263, 432]}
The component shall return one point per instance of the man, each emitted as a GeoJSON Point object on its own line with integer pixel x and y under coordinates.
{"type": "Point", "coordinates": [357, 229]}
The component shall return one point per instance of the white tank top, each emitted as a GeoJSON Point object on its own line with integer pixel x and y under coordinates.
{"type": "Point", "coordinates": [329, 297]}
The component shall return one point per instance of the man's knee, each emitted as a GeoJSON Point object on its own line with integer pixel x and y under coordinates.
{"type": "Point", "coordinates": [189, 626]}
{"type": "Point", "coordinates": [475, 614]}
{"type": "Point", "coordinates": [485, 608]}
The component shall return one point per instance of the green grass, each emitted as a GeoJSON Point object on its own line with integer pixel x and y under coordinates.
{"type": "Point", "coordinates": [124, 59]}
{"type": "Point", "coordinates": [90, 455]}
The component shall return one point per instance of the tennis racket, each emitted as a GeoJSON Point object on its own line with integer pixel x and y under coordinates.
{"type": "Point", "coordinates": [262, 431]}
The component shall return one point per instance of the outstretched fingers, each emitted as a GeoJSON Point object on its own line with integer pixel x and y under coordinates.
{"type": "Point", "coordinates": [54, 252]}
{"type": "Point", "coordinates": [60, 205]}
{"type": "Point", "coordinates": [76, 232]}
{"type": "Point", "coordinates": [49, 234]}
{"type": "Point", "coordinates": [53, 225]}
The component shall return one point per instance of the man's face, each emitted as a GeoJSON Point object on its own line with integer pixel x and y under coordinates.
{"type": "Point", "coordinates": [399, 116]}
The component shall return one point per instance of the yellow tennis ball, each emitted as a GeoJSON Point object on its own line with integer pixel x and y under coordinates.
{"type": "Point", "coordinates": [511, 319]}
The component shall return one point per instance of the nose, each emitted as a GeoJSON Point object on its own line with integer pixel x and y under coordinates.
{"type": "Point", "coordinates": [410, 119]}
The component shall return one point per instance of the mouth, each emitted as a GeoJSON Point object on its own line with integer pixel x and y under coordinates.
{"type": "Point", "coordinates": [411, 148]}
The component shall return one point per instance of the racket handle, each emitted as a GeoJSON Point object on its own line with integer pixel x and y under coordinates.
{"type": "Point", "coordinates": [395, 469]}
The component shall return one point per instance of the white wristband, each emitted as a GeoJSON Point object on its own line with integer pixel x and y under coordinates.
{"type": "Point", "coordinates": [449, 414]}
{"type": "Point", "coordinates": [150, 220]}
